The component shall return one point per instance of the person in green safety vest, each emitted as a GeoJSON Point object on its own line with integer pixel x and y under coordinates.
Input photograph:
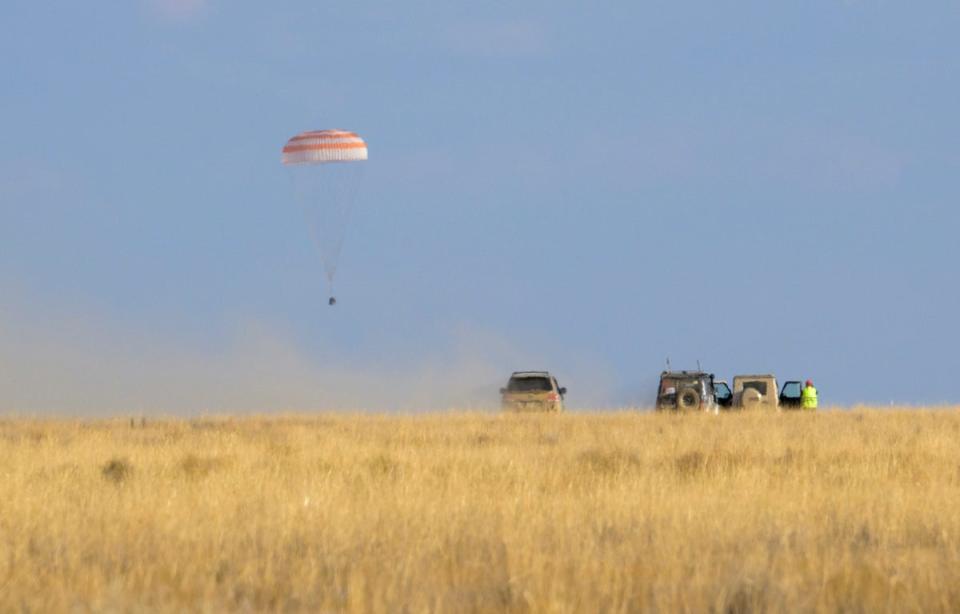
{"type": "Point", "coordinates": [808, 397]}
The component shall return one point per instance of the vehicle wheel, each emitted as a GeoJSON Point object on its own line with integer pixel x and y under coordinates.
{"type": "Point", "coordinates": [688, 399]}
{"type": "Point", "coordinates": [750, 398]}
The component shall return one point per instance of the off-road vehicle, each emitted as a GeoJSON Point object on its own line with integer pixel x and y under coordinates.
{"type": "Point", "coordinates": [760, 392]}
{"type": "Point", "coordinates": [532, 391]}
{"type": "Point", "coordinates": [755, 391]}
{"type": "Point", "coordinates": [691, 391]}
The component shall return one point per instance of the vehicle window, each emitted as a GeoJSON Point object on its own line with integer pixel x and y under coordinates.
{"type": "Point", "coordinates": [529, 384]}
{"type": "Point", "coordinates": [792, 390]}
{"type": "Point", "coordinates": [666, 384]}
{"type": "Point", "coordinates": [760, 387]}
{"type": "Point", "coordinates": [687, 383]}
{"type": "Point", "coordinates": [722, 391]}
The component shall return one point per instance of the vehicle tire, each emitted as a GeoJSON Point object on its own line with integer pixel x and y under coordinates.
{"type": "Point", "coordinates": [751, 398]}
{"type": "Point", "coordinates": [688, 399]}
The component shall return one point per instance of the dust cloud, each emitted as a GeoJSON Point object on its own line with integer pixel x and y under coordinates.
{"type": "Point", "coordinates": [69, 365]}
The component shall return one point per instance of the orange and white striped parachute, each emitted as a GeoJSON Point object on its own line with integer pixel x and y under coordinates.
{"type": "Point", "coordinates": [319, 146]}
{"type": "Point", "coordinates": [326, 191]}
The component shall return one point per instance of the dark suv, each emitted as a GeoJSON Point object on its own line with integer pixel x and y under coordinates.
{"type": "Point", "coordinates": [692, 391]}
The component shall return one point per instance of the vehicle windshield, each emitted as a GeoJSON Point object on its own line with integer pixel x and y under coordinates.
{"type": "Point", "coordinates": [529, 384]}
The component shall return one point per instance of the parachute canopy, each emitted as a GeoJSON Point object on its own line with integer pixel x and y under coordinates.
{"type": "Point", "coordinates": [320, 146]}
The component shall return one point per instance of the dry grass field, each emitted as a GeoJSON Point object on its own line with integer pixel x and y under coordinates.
{"type": "Point", "coordinates": [459, 512]}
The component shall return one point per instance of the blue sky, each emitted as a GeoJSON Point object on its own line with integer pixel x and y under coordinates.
{"type": "Point", "coordinates": [589, 189]}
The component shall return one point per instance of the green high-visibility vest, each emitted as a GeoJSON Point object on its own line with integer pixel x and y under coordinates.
{"type": "Point", "coordinates": [809, 397]}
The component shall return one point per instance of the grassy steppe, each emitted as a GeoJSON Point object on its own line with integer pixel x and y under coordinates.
{"type": "Point", "coordinates": [853, 511]}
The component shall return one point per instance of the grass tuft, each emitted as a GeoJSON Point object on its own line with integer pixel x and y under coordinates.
{"type": "Point", "coordinates": [116, 470]}
{"type": "Point", "coordinates": [196, 467]}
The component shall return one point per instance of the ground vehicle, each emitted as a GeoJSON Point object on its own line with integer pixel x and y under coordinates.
{"type": "Point", "coordinates": [532, 391]}
{"type": "Point", "coordinates": [760, 392]}
{"type": "Point", "coordinates": [755, 391]}
{"type": "Point", "coordinates": [691, 391]}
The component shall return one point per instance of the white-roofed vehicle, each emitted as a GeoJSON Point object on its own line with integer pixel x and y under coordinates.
{"type": "Point", "coordinates": [760, 392]}
{"type": "Point", "coordinates": [755, 392]}
{"type": "Point", "coordinates": [532, 391]}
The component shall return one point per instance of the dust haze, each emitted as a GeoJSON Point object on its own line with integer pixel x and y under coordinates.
{"type": "Point", "coordinates": [70, 365]}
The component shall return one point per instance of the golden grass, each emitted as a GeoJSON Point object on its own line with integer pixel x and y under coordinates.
{"type": "Point", "coordinates": [852, 511]}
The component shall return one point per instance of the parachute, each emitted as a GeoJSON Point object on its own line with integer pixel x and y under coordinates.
{"type": "Point", "coordinates": [326, 168]}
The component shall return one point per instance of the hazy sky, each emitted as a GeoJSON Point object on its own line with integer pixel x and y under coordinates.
{"type": "Point", "coordinates": [582, 187]}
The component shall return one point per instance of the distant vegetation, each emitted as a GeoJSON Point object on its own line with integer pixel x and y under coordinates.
{"type": "Point", "coordinates": [851, 511]}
